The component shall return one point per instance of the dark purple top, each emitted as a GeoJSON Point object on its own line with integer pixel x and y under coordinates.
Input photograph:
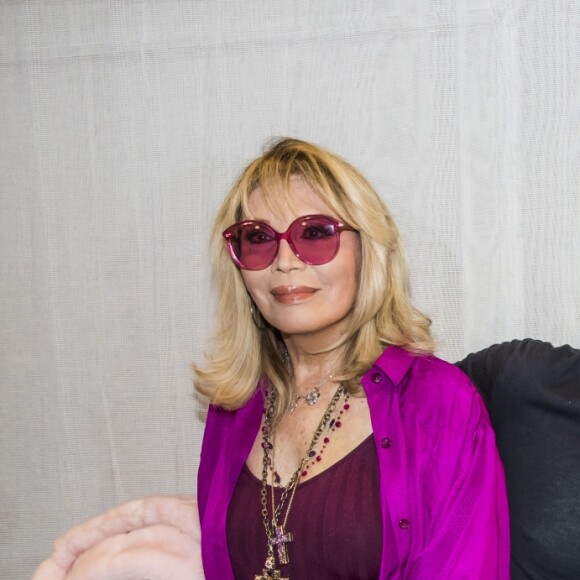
{"type": "Point", "coordinates": [335, 519]}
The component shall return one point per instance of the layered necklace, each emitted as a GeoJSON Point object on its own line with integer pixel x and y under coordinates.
{"type": "Point", "coordinates": [275, 519]}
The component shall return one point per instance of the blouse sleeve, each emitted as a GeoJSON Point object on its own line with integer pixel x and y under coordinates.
{"type": "Point", "coordinates": [466, 519]}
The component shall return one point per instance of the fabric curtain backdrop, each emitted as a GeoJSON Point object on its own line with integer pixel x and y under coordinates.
{"type": "Point", "coordinates": [123, 125]}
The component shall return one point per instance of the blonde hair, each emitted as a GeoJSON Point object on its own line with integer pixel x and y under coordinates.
{"type": "Point", "coordinates": [245, 349]}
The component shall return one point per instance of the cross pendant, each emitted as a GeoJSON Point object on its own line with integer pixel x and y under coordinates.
{"type": "Point", "coordinates": [280, 540]}
{"type": "Point", "coordinates": [269, 575]}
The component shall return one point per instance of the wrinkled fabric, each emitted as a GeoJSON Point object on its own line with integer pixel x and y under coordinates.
{"type": "Point", "coordinates": [441, 480]}
{"type": "Point", "coordinates": [157, 538]}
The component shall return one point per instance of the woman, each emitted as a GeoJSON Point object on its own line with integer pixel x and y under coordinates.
{"type": "Point", "coordinates": [336, 445]}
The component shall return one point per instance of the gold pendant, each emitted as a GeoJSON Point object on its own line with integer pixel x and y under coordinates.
{"type": "Point", "coordinates": [269, 575]}
{"type": "Point", "coordinates": [269, 572]}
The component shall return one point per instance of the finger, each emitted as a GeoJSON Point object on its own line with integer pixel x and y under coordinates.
{"type": "Point", "coordinates": [49, 570]}
{"type": "Point", "coordinates": [158, 552]}
{"type": "Point", "coordinates": [179, 512]}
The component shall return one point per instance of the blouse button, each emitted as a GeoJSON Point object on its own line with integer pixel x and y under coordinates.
{"type": "Point", "coordinates": [404, 524]}
{"type": "Point", "coordinates": [385, 443]}
{"type": "Point", "coordinates": [376, 378]}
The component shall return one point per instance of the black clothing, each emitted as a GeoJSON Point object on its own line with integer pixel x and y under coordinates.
{"type": "Point", "coordinates": [532, 392]}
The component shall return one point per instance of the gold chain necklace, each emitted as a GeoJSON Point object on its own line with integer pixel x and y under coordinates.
{"type": "Point", "coordinates": [275, 533]}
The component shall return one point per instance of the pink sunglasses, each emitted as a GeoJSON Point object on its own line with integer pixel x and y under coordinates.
{"type": "Point", "coordinates": [315, 239]}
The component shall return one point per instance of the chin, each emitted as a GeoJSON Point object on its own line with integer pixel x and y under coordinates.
{"type": "Point", "coordinates": [297, 325]}
{"type": "Point", "coordinates": [289, 329]}
{"type": "Point", "coordinates": [308, 325]}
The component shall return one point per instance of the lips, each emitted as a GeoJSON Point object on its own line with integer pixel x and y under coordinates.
{"type": "Point", "coordinates": [292, 294]}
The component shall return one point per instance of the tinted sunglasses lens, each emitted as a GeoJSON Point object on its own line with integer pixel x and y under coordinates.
{"type": "Point", "coordinates": [253, 245]}
{"type": "Point", "coordinates": [316, 240]}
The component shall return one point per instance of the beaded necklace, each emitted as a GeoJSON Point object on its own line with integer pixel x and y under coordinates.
{"type": "Point", "coordinates": [275, 531]}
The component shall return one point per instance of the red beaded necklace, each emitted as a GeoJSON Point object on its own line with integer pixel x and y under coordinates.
{"type": "Point", "coordinates": [275, 532]}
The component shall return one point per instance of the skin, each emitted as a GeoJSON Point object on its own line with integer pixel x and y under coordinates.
{"type": "Point", "coordinates": [311, 306]}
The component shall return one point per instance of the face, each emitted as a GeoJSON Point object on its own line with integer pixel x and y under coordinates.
{"type": "Point", "coordinates": [297, 298]}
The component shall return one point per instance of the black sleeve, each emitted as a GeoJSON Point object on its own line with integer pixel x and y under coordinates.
{"type": "Point", "coordinates": [522, 361]}
{"type": "Point", "coordinates": [484, 367]}
{"type": "Point", "coordinates": [532, 392]}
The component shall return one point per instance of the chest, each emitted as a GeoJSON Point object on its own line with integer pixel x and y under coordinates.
{"type": "Point", "coordinates": [334, 521]}
{"type": "Point", "coordinates": [292, 439]}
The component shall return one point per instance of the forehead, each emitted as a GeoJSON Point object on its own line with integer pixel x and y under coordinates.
{"type": "Point", "coordinates": [284, 204]}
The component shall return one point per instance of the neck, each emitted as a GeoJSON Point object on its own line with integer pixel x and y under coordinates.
{"type": "Point", "coordinates": [310, 368]}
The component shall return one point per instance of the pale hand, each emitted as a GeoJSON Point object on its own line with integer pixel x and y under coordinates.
{"type": "Point", "coordinates": [157, 538]}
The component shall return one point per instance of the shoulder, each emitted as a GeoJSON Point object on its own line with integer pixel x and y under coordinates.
{"type": "Point", "coordinates": [524, 366]}
{"type": "Point", "coordinates": [222, 426]}
{"type": "Point", "coordinates": [402, 366]}
{"type": "Point", "coordinates": [428, 384]}
{"type": "Point", "coordinates": [220, 422]}
{"type": "Point", "coordinates": [527, 355]}
{"type": "Point", "coordinates": [432, 409]}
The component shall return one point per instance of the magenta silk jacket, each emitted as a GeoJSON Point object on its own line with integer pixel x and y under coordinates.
{"type": "Point", "coordinates": [442, 484]}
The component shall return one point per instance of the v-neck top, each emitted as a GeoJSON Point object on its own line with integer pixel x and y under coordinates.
{"type": "Point", "coordinates": [335, 520]}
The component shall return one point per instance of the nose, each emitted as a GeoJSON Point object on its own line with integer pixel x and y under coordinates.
{"type": "Point", "coordinates": [286, 259]}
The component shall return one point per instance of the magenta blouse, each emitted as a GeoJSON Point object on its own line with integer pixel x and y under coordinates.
{"type": "Point", "coordinates": [442, 487]}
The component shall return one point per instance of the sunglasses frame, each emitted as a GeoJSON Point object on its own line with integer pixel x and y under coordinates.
{"type": "Point", "coordinates": [338, 225]}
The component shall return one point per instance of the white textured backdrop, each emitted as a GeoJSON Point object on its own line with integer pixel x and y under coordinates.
{"type": "Point", "coordinates": [123, 124]}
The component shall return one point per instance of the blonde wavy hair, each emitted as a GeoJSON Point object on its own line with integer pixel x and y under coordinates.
{"type": "Point", "coordinates": [246, 351]}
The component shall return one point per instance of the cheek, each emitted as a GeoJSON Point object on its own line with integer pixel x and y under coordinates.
{"type": "Point", "coordinates": [345, 293]}
{"type": "Point", "coordinates": [252, 281]}
{"type": "Point", "coordinates": [348, 263]}
{"type": "Point", "coordinates": [347, 267]}
{"type": "Point", "coordinates": [343, 284]}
